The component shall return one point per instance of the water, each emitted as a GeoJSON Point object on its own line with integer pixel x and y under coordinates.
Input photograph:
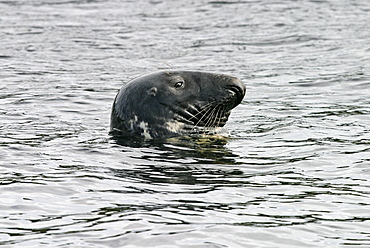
{"type": "Point", "coordinates": [294, 172]}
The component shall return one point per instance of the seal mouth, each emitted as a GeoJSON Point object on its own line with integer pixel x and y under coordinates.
{"type": "Point", "coordinates": [213, 114]}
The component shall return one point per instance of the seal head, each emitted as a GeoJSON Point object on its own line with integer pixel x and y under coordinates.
{"type": "Point", "coordinates": [176, 103]}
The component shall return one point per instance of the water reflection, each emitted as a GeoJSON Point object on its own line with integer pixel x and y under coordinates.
{"type": "Point", "coordinates": [186, 150]}
{"type": "Point", "coordinates": [180, 161]}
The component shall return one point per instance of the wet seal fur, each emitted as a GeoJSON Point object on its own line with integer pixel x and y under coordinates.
{"type": "Point", "coordinates": [175, 103]}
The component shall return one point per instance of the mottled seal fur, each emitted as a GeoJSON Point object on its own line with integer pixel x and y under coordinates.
{"type": "Point", "coordinates": [175, 103]}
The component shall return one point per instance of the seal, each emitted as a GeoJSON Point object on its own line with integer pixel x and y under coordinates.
{"type": "Point", "coordinates": [175, 103]}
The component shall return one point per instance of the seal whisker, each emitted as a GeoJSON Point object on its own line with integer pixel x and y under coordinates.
{"type": "Point", "coordinates": [206, 114]}
{"type": "Point", "coordinates": [202, 113]}
{"type": "Point", "coordinates": [220, 114]}
{"type": "Point", "coordinates": [192, 107]}
{"type": "Point", "coordinates": [197, 124]}
{"type": "Point", "coordinates": [190, 115]}
{"type": "Point", "coordinates": [209, 117]}
{"type": "Point", "coordinates": [223, 113]}
{"type": "Point", "coordinates": [212, 115]}
{"type": "Point", "coordinates": [217, 116]}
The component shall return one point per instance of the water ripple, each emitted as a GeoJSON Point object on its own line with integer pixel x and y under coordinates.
{"type": "Point", "coordinates": [293, 173]}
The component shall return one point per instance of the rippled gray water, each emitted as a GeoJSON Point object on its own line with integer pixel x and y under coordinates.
{"type": "Point", "coordinates": [295, 172]}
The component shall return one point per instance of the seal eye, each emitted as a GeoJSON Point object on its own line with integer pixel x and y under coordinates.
{"type": "Point", "coordinates": [178, 84]}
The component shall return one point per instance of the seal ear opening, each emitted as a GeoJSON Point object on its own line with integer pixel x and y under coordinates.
{"type": "Point", "coordinates": [152, 91]}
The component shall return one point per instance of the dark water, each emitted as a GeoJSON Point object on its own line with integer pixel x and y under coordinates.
{"type": "Point", "coordinates": [295, 173]}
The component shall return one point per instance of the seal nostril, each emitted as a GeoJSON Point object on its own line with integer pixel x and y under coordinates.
{"type": "Point", "coordinates": [236, 90]}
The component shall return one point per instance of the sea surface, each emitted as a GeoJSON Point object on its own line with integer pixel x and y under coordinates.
{"type": "Point", "coordinates": [294, 170]}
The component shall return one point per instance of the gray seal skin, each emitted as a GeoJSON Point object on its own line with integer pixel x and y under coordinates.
{"type": "Point", "coordinates": [175, 103]}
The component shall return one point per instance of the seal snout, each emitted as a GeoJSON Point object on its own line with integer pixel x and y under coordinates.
{"type": "Point", "coordinates": [237, 90]}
